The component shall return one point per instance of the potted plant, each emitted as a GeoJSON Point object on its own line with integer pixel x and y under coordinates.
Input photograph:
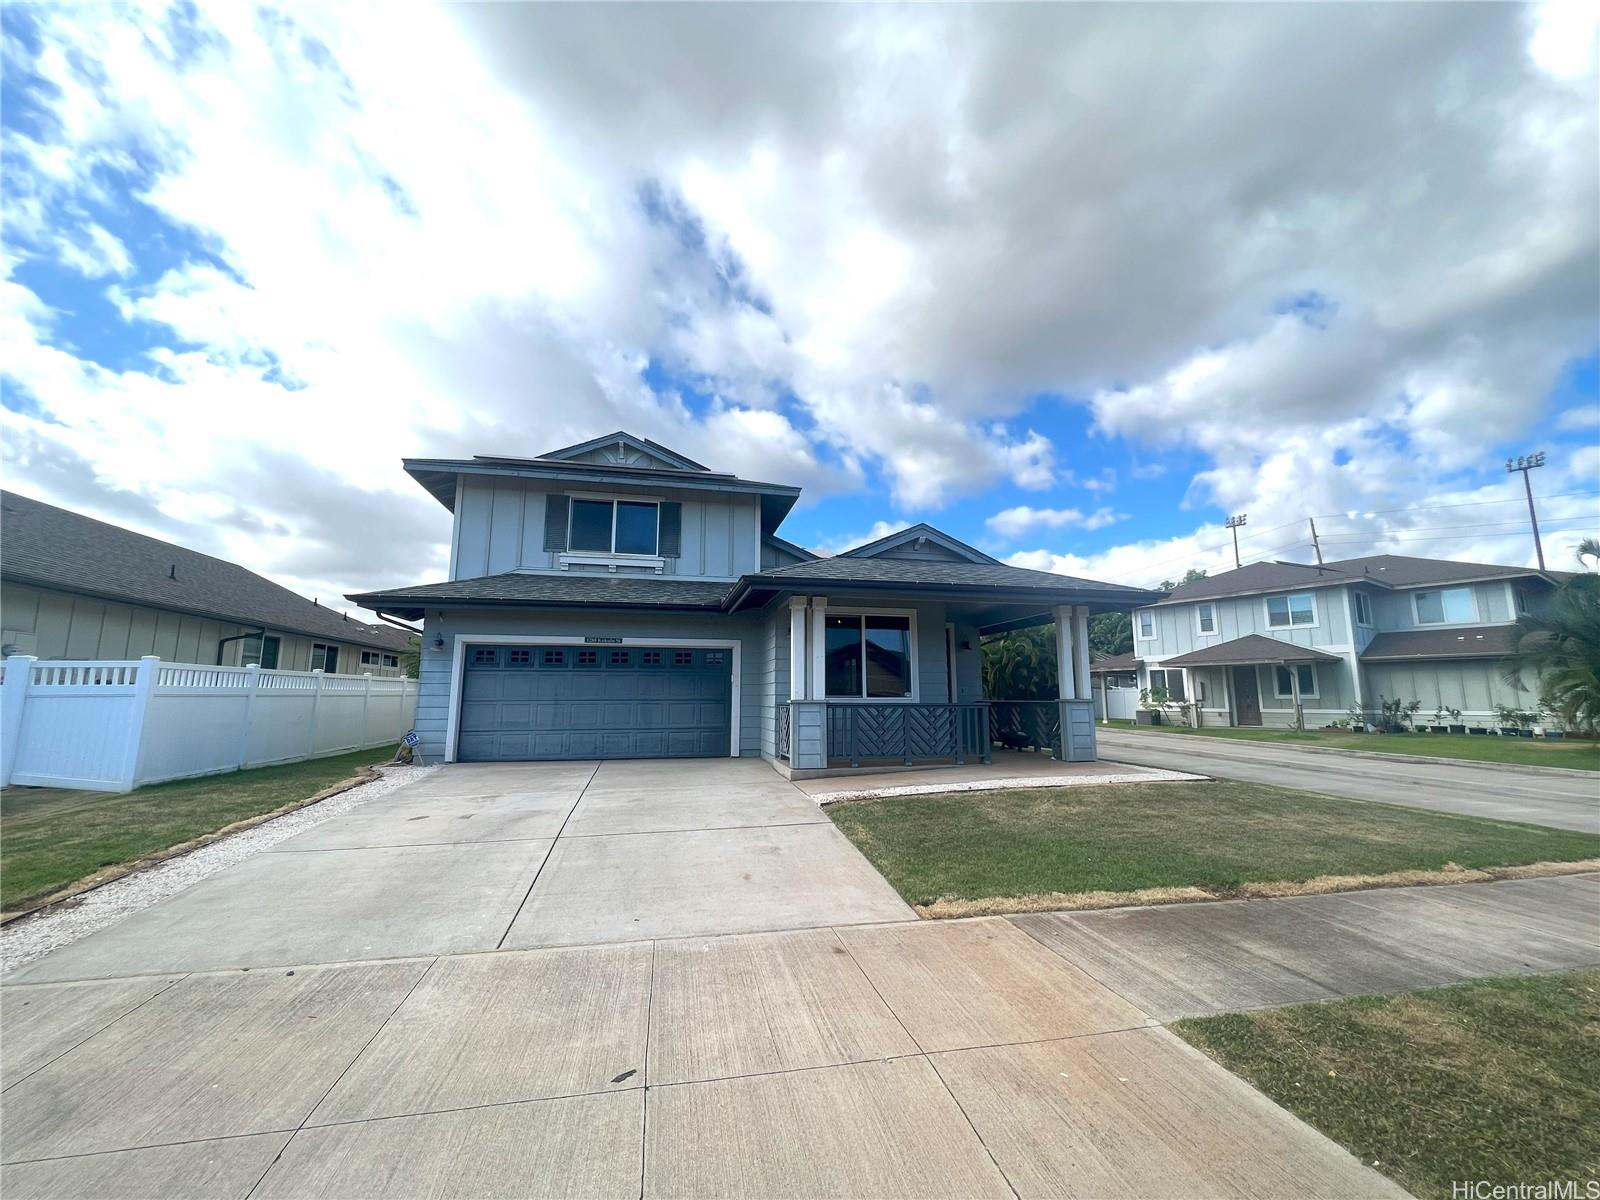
{"type": "Point", "coordinates": [1552, 730]}
{"type": "Point", "coordinates": [1455, 725]}
{"type": "Point", "coordinates": [1397, 714]}
{"type": "Point", "coordinates": [1357, 719]}
{"type": "Point", "coordinates": [1514, 722]}
{"type": "Point", "coordinates": [1440, 725]}
{"type": "Point", "coordinates": [1151, 702]}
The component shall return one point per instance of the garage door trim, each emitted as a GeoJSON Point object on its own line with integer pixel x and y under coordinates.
{"type": "Point", "coordinates": [458, 668]}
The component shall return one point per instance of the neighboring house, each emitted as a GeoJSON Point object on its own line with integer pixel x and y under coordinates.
{"type": "Point", "coordinates": [1249, 644]}
{"type": "Point", "coordinates": [615, 599]}
{"type": "Point", "coordinates": [72, 587]}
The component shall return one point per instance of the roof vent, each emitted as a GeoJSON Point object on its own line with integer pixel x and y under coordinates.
{"type": "Point", "coordinates": [172, 571]}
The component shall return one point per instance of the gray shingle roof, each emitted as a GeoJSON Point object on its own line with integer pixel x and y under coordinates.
{"type": "Point", "coordinates": [940, 574]}
{"type": "Point", "coordinates": [519, 588]}
{"type": "Point", "coordinates": [1477, 641]}
{"type": "Point", "coordinates": [1381, 570]}
{"type": "Point", "coordinates": [1115, 664]}
{"type": "Point", "coordinates": [53, 547]}
{"type": "Point", "coordinates": [1248, 650]}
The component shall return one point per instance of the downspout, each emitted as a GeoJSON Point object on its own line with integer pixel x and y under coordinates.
{"type": "Point", "coordinates": [260, 632]}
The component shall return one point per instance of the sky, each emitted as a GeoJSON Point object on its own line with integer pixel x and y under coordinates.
{"type": "Point", "coordinates": [1072, 282]}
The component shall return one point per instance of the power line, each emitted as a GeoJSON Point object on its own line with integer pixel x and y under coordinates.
{"type": "Point", "coordinates": [1379, 512]}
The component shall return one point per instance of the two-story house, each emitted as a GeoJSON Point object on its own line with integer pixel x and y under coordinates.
{"type": "Point", "coordinates": [615, 599]}
{"type": "Point", "coordinates": [1249, 645]}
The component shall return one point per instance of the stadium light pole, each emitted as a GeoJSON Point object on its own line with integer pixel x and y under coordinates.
{"type": "Point", "coordinates": [1233, 524]}
{"type": "Point", "coordinates": [1526, 463]}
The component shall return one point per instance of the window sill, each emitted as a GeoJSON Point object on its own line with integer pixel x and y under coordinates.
{"type": "Point", "coordinates": [649, 562]}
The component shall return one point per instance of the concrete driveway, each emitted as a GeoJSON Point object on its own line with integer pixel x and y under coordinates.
{"type": "Point", "coordinates": [483, 857]}
{"type": "Point", "coordinates": [1561, 799]}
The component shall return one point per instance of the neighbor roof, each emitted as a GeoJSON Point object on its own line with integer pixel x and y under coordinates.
{"type": "Point", "coordinates": [1115, 664]}
{"type": "Point", "coordinates": [519, 587]}
{"type": "Point", "coordinates": [55, 548]}
{"type": "Point", "coordinates": [1476, 641]}
{"type": "Point", "coordinates": [1247, 651]}
{"type": "Point", "coordinates": [950, 575]}
{"type": "Point", "coordinates": [1379, 570]}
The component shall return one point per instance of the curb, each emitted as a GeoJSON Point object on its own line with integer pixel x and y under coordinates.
{"type": "Point", "coordinates": [1387, 756]}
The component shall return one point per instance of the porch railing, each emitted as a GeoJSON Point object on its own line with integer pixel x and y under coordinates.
{"type": "Point", "coordinates": [908, 732]}
{"type": "Point", "coordinates": [781, 747]}
{"type": "Point", "coordinates": [1026, 725]}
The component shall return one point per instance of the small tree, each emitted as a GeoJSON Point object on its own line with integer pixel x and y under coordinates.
{"type": "Point", "coordinates": [1021, 665]}
{"type": "Point", "coordinates": [1561, 647]}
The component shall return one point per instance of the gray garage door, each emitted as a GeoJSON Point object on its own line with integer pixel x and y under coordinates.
{"type": "Point", "coordinates": [545, 702]}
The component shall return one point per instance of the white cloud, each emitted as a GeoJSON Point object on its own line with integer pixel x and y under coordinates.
{"type": "Point", "coordinates": [849, 541]}
{"type": "Point", "coordinates": [93, 251]}
{"type": "Point", "coordinates": [1583, 419]}
{"type": "Point", "coordinates": [1012, 523]}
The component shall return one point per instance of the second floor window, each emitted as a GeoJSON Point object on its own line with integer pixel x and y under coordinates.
{"type": "Point", "coordinates": [1284, 612]}
{"type": "Point", "coordinates": [1449, 606]}
{"type": "Point", "coordinates": [1363, 609]}
{"type": "Point", "coordinates": [614, 527]}
{"type": "Point", "coordinates": [1205, 618]}
{"type": "Point", "coordinates": [1146, 623]}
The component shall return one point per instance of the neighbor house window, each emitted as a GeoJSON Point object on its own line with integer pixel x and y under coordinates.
{"type": "Point", "coordinates": [324, 657]}
{"type": "Point", "coordinates": [614, 526]}
{"type": "Point", "coordinates": [1363, 608]}
{"type": "Point", "coordinates": [1284, 682]}
{"type": "Point", "coordinates": [263, 652]}
{"type": "Point", "coordinates": [1205, 618]}
{"type": "Point", "coordinates": [1286, 611]}
{"type": "Point", "coordinates": [1170, 681]}
{"type": "Point", "coordinates": [1450, 606]}
{"type": "Point", "coordinates": [391, 660]}
{"type": "Point", "coordinates": [1145, 623]}
{"type": "Point", "coordinates": [868, 656]}
{"type": "Point", "coordinates": [1522, 602]}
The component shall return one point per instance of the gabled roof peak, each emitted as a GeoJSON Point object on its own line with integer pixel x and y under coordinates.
{"type": "Point", "coordinates": [620, 442]}
{"type": "Point", "coordinates": [916, 535]}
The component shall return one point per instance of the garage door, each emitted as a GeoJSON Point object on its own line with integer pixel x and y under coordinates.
{"type": "Point", "coordinates": [549, 702]}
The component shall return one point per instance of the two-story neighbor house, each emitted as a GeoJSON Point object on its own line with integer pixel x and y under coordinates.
{"type": "Point", "coordinates": [1248, 645]}
{"type": "Point", "coordinates": [615, 599]}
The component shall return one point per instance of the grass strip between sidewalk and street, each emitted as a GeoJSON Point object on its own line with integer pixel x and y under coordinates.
{"type": "Point", "coordinates": [1496, 1080]}
{"type": "Point", "coordinates": [53, 837]}
{"type": "Point", "coordinates": [1029, 849]}
{"type": "Point", "coordinates": [1572, 753]}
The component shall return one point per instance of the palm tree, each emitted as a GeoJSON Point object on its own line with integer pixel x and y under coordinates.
{"type": "Point", "coordinates": [1561, 647]}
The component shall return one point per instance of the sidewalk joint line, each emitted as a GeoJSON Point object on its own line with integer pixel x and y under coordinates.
{"type": "Point", "coordinates": [548, 855]}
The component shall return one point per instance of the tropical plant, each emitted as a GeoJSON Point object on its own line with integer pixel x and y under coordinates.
{"type": "Point", "coordinates": [1397, 713]}
{"type": "Point", "coordinates": [1560, 647]}
{"type": "Point", "coordinates": [411, 658]}
{"type": "Point", "coordinates": [1021, 665]}
{"type": "Point", "coordinates": [1110, 634]}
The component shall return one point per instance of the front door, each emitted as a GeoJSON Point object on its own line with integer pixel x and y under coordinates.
{"type": "Point", "coordinates": [1246, 696]}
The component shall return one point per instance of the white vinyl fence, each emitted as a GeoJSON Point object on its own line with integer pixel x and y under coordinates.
{"type": "Point", "coordinates": [1122, 701]}
{"type": "Point", "coordinates": [115, 726]}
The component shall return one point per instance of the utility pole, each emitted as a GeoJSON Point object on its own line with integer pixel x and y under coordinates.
{"type": "Point", "coordinates": [1315, 545]}
{"type": "Point", "coordinates": [1233, 523]}
{"type": "Point", "coordinates": [1526, 463]}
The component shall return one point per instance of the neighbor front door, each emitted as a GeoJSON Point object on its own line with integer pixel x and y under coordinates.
{"type": "Point", "coordinates": [1246, 696]}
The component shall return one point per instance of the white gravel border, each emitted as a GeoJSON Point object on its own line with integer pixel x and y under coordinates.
{"type": "Point", "coordinates": [994, 785]}
{"type": "Point", "coordinates": [28, 938]}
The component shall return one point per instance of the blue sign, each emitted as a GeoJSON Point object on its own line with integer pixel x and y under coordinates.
{"type": "Point", "coordinates": [411, 738]}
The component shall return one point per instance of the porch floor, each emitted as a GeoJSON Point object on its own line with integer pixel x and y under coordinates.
{"type": "Point", "coordinates": [1010, 768]}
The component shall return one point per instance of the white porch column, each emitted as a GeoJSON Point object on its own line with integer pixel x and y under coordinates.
{"type": "Point", "coordinates": [819, 646]}
{"type": "Point", "coordinates": [797, 647]}
{"type": "Point", "coordinates": [1080, 646]}
{"type": "Point", "coordinates": [1066, 654]}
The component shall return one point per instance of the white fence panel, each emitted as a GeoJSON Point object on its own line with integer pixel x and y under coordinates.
{"type": "Point", "coordinates": [111, 726]}
{"type": "Point", "coordinates": [1123, 703]}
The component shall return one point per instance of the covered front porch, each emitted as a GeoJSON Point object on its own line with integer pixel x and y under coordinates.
{"type": "Point", "coordinates": [1251, 681]}
{"type": "Point", "coordinates": [833, 716]}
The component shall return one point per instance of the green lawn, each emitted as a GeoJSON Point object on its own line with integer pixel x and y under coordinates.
{"type": "Point", "coordinates": [1526, 752]}
{"type": "Point", "coordinates": [1214, 835]}
{"type": "Point", "coordinates": [50, 837]}
{"type": "Point", "coordinates": [1497, 1080]}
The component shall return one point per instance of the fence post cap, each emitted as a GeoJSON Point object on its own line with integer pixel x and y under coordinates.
{"type": "Point", "coordinates": [149, 658]}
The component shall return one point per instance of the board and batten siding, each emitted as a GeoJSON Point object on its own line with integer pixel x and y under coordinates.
{"type": "Point", "coordinates": [1240, 616]}
{"type": "Point", "coordinates": [1397, 610]}
{"type": "Point", "coordinates": [52, 624]}
{"type": "Point", "coordinates": [1475, 686]}
{"type": "Point", "coordinates": [500, 528]}
{"type": "Point", "coordinates": [489, 625]}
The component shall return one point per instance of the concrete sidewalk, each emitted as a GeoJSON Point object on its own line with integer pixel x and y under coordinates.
{"type": "Point", "coordinates": [921, 1060]}
{"type": "Point", "coordinates": [1561, 799]}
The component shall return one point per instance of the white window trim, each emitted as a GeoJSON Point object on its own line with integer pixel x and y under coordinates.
{"type": "Point", "coordinates": [1357, 599]}
{"type": "Point", "coordinates": [458, 666]}
{"type": "Point", "coordinates": [1183, 671]}
{"type": "Point", "coordinates": [613, 554]}
{"type": "Point", "coordinates": [1201, 630]}
{"type": "Point", "coordinates": [1316, 682]}
{"type": "Point", "coordinates": [1144, 637]}
{"type": "Point", "coordinates": [324, 647]}
{"type": "Point", "coordinates": [1416, 611]}
{"type": "Point", "coordinates": [916, 676]}
{"type": "Point", "coordinates": [1316, 610]}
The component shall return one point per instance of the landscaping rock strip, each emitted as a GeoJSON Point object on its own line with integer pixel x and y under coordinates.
{"type": "Point", "coordinates": [996, 785]}
{"type": "Point", "coordinates": [28, 938]}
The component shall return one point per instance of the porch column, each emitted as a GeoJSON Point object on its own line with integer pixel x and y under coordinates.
{"type": "Point", "coordinates": [1076, 740]}
{"type": "Point", "coordinates": [818, 689]}
{"type": "Point", "coordinates": [797, 647]}
{"type": "Point", "coordinates": [1080, 644]}
{"type": "Point", "coordinates": [1066, 653]}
